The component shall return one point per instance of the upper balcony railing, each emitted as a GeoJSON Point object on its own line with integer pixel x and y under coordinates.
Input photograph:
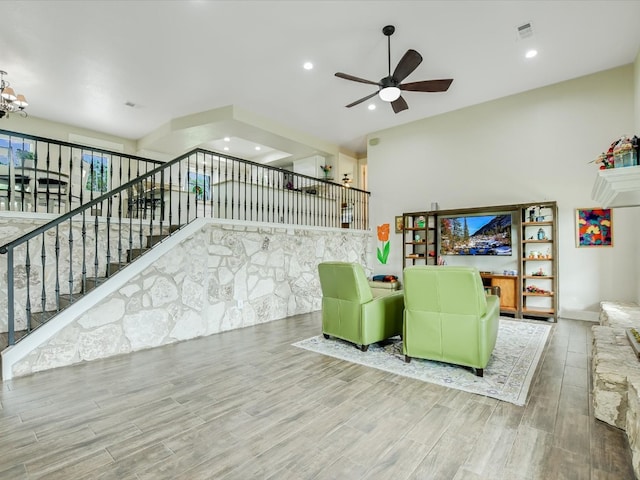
{"type": "Point", "coordinates": [118, 206]}
{"type": "Point", "coordinates": [43, 175]}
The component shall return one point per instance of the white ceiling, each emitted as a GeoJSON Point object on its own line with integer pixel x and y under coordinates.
{"type": "Point", "coordinates": [79, 62]}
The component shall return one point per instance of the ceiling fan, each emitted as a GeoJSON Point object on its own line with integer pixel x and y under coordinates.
{"type": "Point", "coordinates": [389, 88]}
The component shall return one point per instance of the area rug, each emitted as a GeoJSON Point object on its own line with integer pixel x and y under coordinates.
{"type": "Point", "coordinates": [507, 377]}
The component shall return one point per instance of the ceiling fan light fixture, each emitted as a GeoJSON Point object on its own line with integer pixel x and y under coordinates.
{"type": "Point", "coordinates": [389, 94]}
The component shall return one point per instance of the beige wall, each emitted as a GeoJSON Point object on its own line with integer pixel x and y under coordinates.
{"type": "Point", "coordinates": [529, 147]}
{"type": "Point", "coordinates": [59, 131]}
{"type": "Point", "coordinates": [637, 92]}
{"type": "Point", "coordinates": [636, 78]}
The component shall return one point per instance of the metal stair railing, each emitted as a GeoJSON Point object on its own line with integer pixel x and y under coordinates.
{"type": "Point", "coordinates": [53, 265]}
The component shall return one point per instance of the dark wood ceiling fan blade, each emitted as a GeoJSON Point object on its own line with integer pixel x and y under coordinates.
{"type": "Point", "coordinates": [407, 64]}
{"type": "Point", "coordinates": [427, 86]}
{"type": "Point", "coordinates": [399, 105]}
{"type": "Point", "coordinates": [363, 99]}
{"type": "Point", "coordinates": [346, 76]}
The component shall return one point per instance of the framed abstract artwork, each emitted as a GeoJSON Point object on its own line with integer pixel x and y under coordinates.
{"type": "Point", "coordinates": [594, 227]}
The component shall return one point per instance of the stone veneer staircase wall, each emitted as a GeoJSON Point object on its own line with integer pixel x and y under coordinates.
{"type": "Point", "coordinates": [616, 373]}
{"type": "Point", "coordinates": [211, 276]}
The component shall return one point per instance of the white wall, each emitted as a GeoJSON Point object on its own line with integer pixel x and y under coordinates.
{"type": "Point", "coordinates": [530, 147]}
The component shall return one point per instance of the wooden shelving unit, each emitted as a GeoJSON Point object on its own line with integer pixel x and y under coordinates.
{"type": "Point", "coordinates": [419, 239]}
{"type": "Point", "coordinates": [538, 265]}
{"type": "Point", "coordinates": [532, 290]}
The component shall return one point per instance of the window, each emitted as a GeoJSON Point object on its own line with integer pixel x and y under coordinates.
{"type": "Point", "coordinates": [18, 150]}
{"type": "Point", "coordinates": [97, 168]}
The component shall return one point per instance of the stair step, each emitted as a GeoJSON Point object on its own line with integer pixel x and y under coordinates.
{"type": "Point", "coordinates": [115, 267]}
{"type": "Point", "coordinates": [93, 282]}
{"type": "Point", "coordinates": [66, 299]}
{"type": "Point", "coordinates": [135, 253]}
{"type": "Point", "coordinates": [153, 239]}
{"type": "Point", "coordinates": [40, 318]}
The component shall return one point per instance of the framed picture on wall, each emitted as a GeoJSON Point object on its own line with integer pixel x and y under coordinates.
{"type": "Point", "coordinates": [594, 227]}
{"type": "Point", "coordinates": [399, 224]}
{"type": "Point", "coordinates": [200, 184]}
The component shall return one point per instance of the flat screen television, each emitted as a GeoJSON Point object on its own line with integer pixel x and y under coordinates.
{"type": "Point", "coordinates": [476, 235]}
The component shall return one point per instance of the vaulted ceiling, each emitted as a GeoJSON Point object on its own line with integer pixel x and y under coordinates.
{"type": "Point", "coordinates": [144, 69]}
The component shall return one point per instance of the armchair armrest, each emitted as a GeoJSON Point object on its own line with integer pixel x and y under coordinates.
{"type": "Point", "coordinates": [382, 316]}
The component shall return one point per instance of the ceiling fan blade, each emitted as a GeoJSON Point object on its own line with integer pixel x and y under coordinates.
{"type": "Point", "coordinates": [427, 86]}
{"type": "Point", "coordinates": [399, 105]}
{"type": "Point", "coordinates": [407, 64]}
{"type": "Point", "coordinates": [346, 76]}
{"type": "Point", "coordinates": [363, 99]}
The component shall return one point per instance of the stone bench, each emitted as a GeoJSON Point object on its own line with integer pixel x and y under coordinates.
{"type": "Point", "coordinates": [616, 373]}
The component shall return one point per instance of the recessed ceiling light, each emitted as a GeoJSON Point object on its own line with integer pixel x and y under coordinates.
{"type": "Point", "coordinates": [308, 65]}
{"type": "Point", "coordinates": [257, 147]}
{"type": "Point", "coordinates": [531, 53]}
{"type": "Point", "coordinates": [372, 106]}
{"type": "Point", "coordinates": [227, 139]}
{"type": "Point", "coordinates": [226, 149]}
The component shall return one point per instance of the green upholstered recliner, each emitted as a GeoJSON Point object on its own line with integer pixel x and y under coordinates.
{"type": "Point", "coordinates": [351, 311]}
{"type": "Point", "coordinates": [448, 317]}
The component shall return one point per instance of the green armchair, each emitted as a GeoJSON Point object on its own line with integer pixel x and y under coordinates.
{"type": "Point", "coordinates": [448, 317]}
{"type": "Point", "coordinates": [352, 311]}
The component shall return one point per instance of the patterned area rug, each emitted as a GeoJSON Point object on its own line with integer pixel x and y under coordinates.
{"type": "Point", "coordinates": [507, 377]}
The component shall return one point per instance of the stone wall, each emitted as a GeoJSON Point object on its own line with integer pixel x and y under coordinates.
{"type": "Point", "coordinates": [224, 276]}
{"type": "Point", "coordinates": [616, 373]}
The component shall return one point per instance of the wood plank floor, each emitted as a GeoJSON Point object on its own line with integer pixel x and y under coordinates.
{"type": "Point", "coordinates": [246, 404]}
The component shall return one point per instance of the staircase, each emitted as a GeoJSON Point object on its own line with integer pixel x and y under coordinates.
{"type": "Point", "coordinates": [40, 318]}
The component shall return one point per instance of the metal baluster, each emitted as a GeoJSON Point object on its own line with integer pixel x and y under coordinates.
{"type": "Point", "coordinates": [211, 185]}
{"type": "Point", "coordinates": [180, 196]}
{"type": "Point", "coordinates": [219, 187]}
{"type": "Point", "coordinates": [96, 263]}
{"type": "Point", "coordinates": [71, 260]}
{"type": "Point", "coordinates": [119, 222]}
{"type": "Point", "coordinates": [130, 209]}
{"type": "Point", "coordinates": [36, 184]}
{"type": "Point", "coordinates": [47, 180]}
{"type": "Point", "coordinates": [170, 215]}
{"type": "Point", "coordinates": [189, 194]}
{"type": "Point", "coordinates": [83, 284]}
{"type": "Point", "coordinates": [43, 291]}
{"type": "Point", "coordinates": [10, 299]}
{"type": "Point", "coordinates": [226, 189]}
{"type": "Point", "coordinates": [108, 258]}
{"type": "Point", "coordinates": [27, 267]}
{"type": "Point", "coordinates": [244, 198]}
{"type": "Point", "coordinates": [57, 256]}
{"type": "Point", "coordinates": [11, 174]}
{"type": "Point", "coordinates": [59, 193]}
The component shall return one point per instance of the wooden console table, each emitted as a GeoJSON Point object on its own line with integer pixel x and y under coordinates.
{"type": "Point", "coordinates": [508, 290]}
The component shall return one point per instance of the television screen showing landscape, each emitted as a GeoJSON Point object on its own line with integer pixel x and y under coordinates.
{"type": "Point", "coordinates": [476, 235]}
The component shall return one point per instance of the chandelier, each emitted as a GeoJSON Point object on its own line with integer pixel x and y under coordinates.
{"type": "Point", "coordinates": [9, 101]}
